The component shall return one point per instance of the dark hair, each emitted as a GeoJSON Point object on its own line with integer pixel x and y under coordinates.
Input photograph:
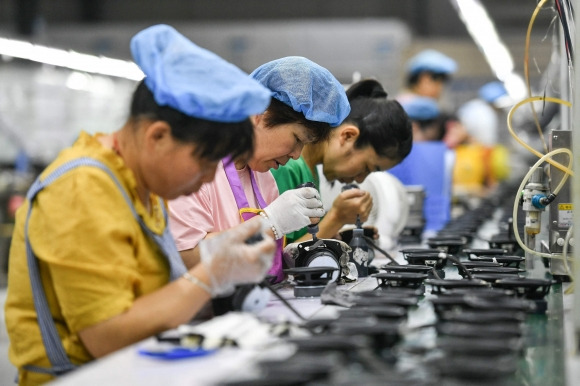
{"type": "Point", "coordinates": [279, 113]}
{"type": "Point", "coordinates": [383, 123]}
{"type": "Point", "coordinates": [413, 78]}
{"type": "Point", "coordinates": [214, 140]}
{"type": "Point", "coordinates": [442, 121]}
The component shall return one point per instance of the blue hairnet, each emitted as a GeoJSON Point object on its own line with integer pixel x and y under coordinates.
{"type": "Point", "coordinates": [433, 61]}
{"type": "Point", "coordinates": [491, 91]}
{"type": "Point", "coordinates": [306, 87]}
{"type": "Point", "coordinates": [194, 80]}
{"type": "Point", "coordinates": [421, 108]}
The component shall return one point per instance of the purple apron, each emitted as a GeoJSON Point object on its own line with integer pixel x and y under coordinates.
{"type": "Point", "coordinates": [242, 202]}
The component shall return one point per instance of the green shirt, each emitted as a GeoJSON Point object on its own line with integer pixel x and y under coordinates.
{"type": "Point", "coordinates": [289, 176]}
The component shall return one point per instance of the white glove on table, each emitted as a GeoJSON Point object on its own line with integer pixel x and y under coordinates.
{"type": "Point", "coordinates": [293, 209]}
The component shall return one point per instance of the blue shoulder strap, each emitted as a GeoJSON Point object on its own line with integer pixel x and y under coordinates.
{"type": "Point", "coordinates": [52, 343]}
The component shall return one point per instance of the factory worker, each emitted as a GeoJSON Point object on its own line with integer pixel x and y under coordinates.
{"type": "Point", "coordinates": [375, 136]}
{"type": "Point", "coordinates": [481, 160]}
{"type": "Point", "coordinates": [428, 72]}
{"type": "Point", "coordinates": [496, 95]}
{"type": "Point", "coordinates": [425, 117]}
{"type": "Point", "coordinates": [430, 163]}
{"type": "Point", "coordinates": [307, 101]}
{"type": "Point", "coordinates": [91, 255]}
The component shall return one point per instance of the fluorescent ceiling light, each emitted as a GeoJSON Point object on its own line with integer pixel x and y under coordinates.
{"type": "Point", "coordinates": [483, 32]}
{"type": "Point", "coordinates": [70, 59]}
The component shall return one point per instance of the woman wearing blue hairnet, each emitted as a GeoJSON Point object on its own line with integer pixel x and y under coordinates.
{"type": "Point", "coordinates": [428, 73]}
{"type": "Point", "coordinates": [375, 136]}
{"type": "Point", "coordinates": [307, 101]}
{"type": "Point", "coordinates": [93, 267]}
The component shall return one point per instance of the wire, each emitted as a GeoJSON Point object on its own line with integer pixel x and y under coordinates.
{"type": "Point", "coordinates": [372, 244]}
{"type": "Point", "coordinates": [516, 201]}
{"type": "Point", "coordinates": [566, 170]}
{"type": "Point", "coordinates": [565, 30]}
{"type": "Point", "coordinates": [267, 284]}
{"type": "Point", "coordinates": [527, 70]}
{"type": "Point", "coordinates": [460, 266]}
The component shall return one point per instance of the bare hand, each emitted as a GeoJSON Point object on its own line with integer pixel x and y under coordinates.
{"type": "Point", "coordinates": [350, 203]}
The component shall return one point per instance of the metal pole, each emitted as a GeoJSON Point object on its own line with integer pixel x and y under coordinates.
{"type": "Point", "coordinates": [575, 76]}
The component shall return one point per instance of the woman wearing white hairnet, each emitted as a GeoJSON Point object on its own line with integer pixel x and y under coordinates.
{"type": "Point", "coordinates": [93, 267]}
{"type": "Point", "coordinates": [307, 101]}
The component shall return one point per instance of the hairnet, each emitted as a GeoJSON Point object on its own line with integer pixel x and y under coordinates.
{"type": "Point", "coordinates": [433, 61]}
{"type": "Point", "coordinates": [492, 91]}
{"type": "Point", "coordinates": [194, 80]}
{"type": "Point", "coordinates": [421, 108]}
{"type": "Point", "coordinates": [480, 121]}
{"type": "Point", "coordinates": [306, 87]}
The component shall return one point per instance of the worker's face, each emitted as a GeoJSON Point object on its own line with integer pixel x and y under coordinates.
{"type": "Point", "coordinates": [430, 86]}
{"type": "Point", "coordinates": [345, 163]}
{"type": "Point", "coordinates": [275, 146]}
{"type": "Point", "coordinates": [172, 169]}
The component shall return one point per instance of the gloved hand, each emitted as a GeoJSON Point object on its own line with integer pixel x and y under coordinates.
{"type": "Point", "coordinates": [229, 261]}
{"type": "Point", "coordinates": [293, 209]}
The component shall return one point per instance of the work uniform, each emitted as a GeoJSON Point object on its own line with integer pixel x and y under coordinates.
{"type": "Point", "coordinates": [478, 167]}
{"type": "Point", "coordinates": [288, 177]}
{"type": "Point", "coordinates": [100, 264]}
{"type": "Point", "coordinates": [214, 208]}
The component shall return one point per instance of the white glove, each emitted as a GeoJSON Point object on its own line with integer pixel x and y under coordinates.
{"type": "Point", "coordinates": [229, 261]}
{"type": "Point", "coordinates": [293, 209]}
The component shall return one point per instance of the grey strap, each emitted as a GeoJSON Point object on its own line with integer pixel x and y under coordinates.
{"type": "Point", "coordinates": [52, 343]}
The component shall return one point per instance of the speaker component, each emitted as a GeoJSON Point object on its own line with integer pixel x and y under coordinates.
{"type": "Point", "coordinates": [310, 281]}
{"type": "Point", "coordinates": [401, 279]}
{"type": "Point", "coordinates": [246, 298]}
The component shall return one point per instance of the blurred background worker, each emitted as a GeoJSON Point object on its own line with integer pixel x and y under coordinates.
{"type": "Point", "coordinates": [93, 267]}
{"type": "Point", "coordinates": [430, 163]}
{"type": "Point", "coordinates": [375, 136]}
{"type": "Point", "coordinates": [427, 121]}
{"type": "Point", "coordinates": [481, 160]}
{"type": "Point", "coordinates": [496, 96]}
{"type": "Point", "coordinates": [307, 101]}
{"type": "Point", "coordinates": [427, 74]}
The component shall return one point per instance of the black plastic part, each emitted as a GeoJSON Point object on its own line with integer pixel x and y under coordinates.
{"type": "Point", "coordinates": [436, 260]}
{"type": "Point", "coordinates": [346, 235]}
{"type": "Point", "coordinates": [401, 279]}
{"type": "Point", "coordinates": [506, 261]}
{"type": "Point", "coordinates": [439, 286]}
{"type": "Point", "coordinates": [527, 287]}
{"type": "Point", "coordinates": [484, 252]}
{"type": "Point", "coordinates": [309, 276]}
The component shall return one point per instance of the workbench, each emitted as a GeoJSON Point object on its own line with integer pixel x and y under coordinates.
{"type": "Point", "coordinates": [543, 360]}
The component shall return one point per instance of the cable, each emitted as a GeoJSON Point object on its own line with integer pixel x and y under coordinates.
{"type": "Point", "coordinates": [566, 170]}
{"type": "Point", "coordinates": [461, 266]}
{"type": "Point", "coordinates": [266, 283]}
{"type": "Point", "coordinates": [372, 244]}
{"type": "Point", "coordinates": [521, 187]}
{"type": "Point", "coordinates": [436, 274]}
{"type": "Point", "coordinates": [565, 29]}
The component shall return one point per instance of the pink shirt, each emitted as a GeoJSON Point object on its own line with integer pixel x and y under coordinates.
{"type": "Point", "coordinates": [213, 208]}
